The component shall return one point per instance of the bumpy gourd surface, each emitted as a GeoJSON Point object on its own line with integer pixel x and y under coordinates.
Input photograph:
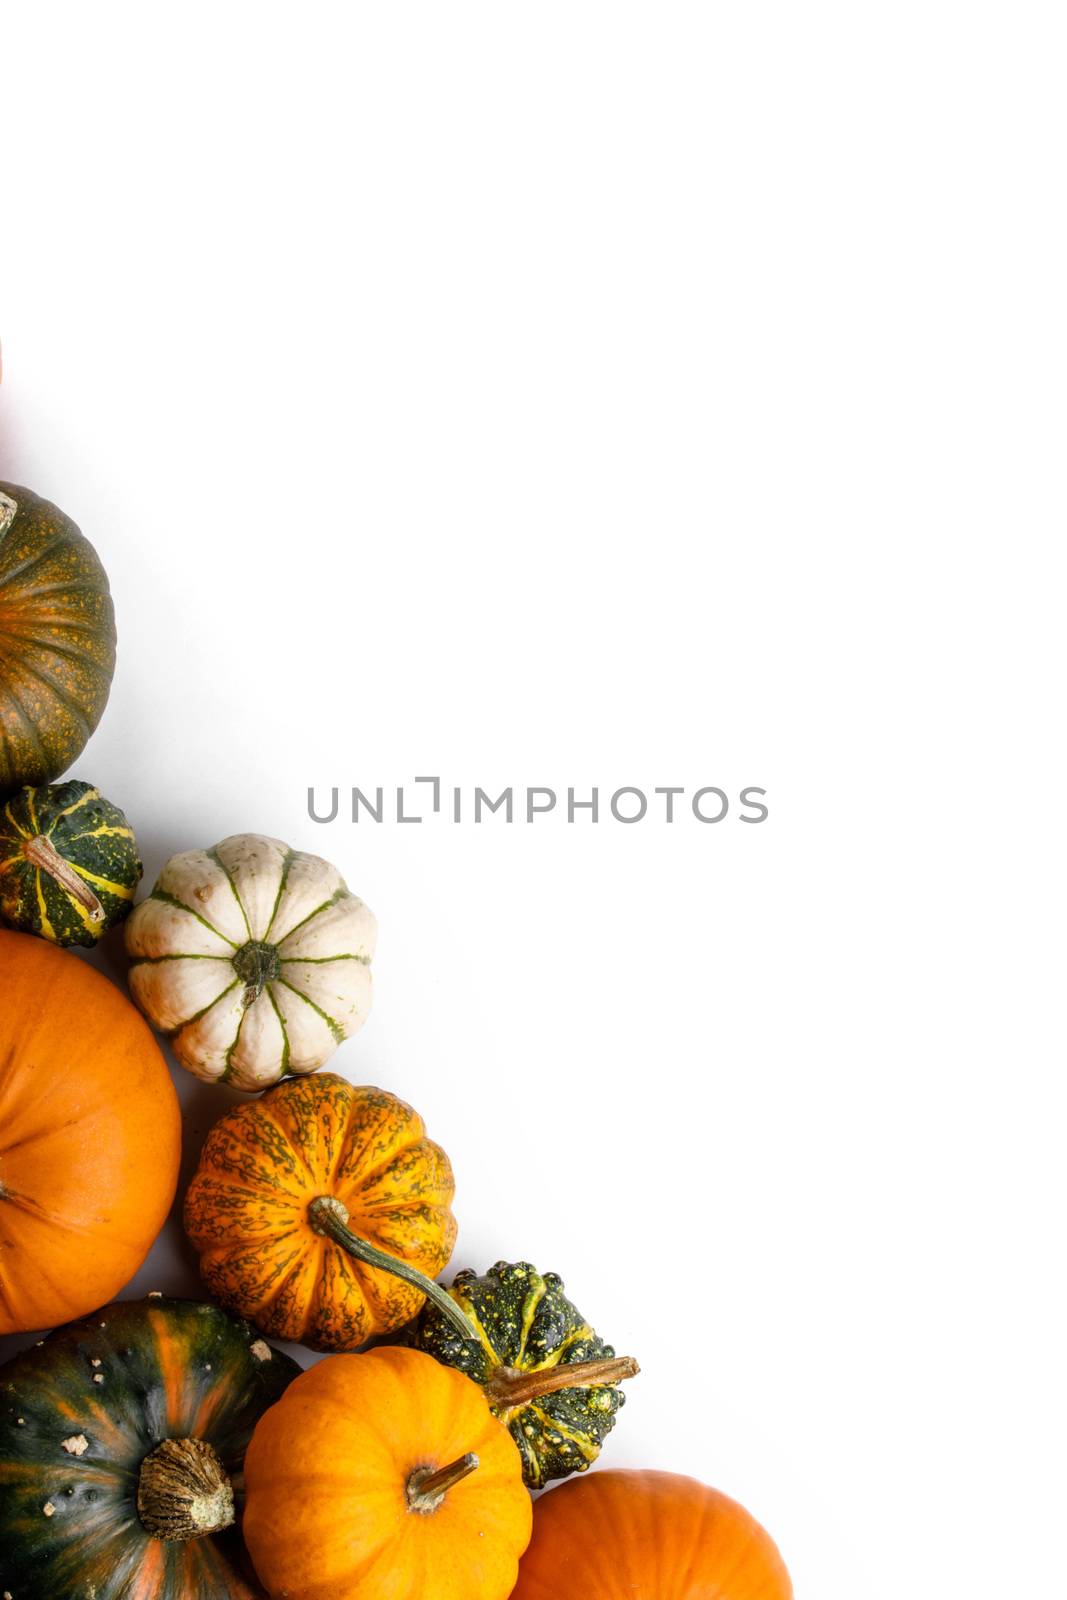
{"type": "Point", "coordinates": [525, 1322]}
{"type": "Point", "coordinates": [57, 640]}
{"type": "Point", "coordinates": [254, 959]}
{"type": "Point", "coordinates": [78, 1415]}
{"type": "Point", "coordinates": [93, 838]}
{"type": "Point", "coordinates": [247, 1210]}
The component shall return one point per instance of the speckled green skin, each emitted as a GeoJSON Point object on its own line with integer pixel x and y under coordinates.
{"type": "Point", "coordinates": [525, 1322]}
{"type": "Point", "coordinates": [92, 836]}
{"type": "Point", "coordinates": [78, 1415]}
{"type": "Point", "coordinates": [57, 640]}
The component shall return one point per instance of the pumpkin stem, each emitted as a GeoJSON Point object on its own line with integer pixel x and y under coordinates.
{"type": "Point", "coordinates": [511, 1387]}
{"type": "Point", "coordinates": [8, 511]}
{"type": "Point", "coordinates": [183, 1491]}
{"type": "Point", "coordinates": [329, 1216]}
{"type": "Point", "coordinates": [427, 1489]}
{"type": "Point", "coordinates": [40, 852]}
{"type": "Point", "coordinates": [256, 964]}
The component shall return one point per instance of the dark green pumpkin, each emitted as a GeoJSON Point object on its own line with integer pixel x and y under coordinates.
{"type": "Point", "coordinates": [57, 640]}
{"type": "Point", "coordinates": [69, 863]}
{"type": "Point", "coordinates": [529, 1336]}
{"type": "Point", "coordinates": [94, 1505]}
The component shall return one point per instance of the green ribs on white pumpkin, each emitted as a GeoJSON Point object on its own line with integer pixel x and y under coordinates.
{"type": "Point", "coordinates": [253, 958]}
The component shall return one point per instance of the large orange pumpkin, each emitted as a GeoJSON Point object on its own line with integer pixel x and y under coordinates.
{"type": "Point", "coordinates": [89, 1137]}
{"type": "Point", "coordinates": [321, 1213]}
{"type": "Point", "coordinates": [384, 1477]}
{"type": "Point", "coordinates": [647, 1536]}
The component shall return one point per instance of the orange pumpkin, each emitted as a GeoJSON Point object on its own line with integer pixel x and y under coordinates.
{"type": "Point", "coordinates": [89, 1137]}
{"type": "Point", "coordinates": [384, 1477]}
{"type": "Point", "coordinates": [647, 1536]}
{"type": "Point", "coordinates": [321, 1211]}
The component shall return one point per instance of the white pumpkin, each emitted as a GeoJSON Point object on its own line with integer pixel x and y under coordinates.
{"type": "Point", "coordinates": [254, 958]}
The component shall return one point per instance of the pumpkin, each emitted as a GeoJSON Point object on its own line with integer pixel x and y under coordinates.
{"type": "Point", "coordinates": [122, 1442]}
{"type": "Point", "coordinates": [546, 1374]}
{"type": "Point", "coordinates": [57, 640]}
{"type": "Point", "coordinates": [69, 866]}
{"type": "Point", "coordinates": [658, 1536]}
{"type": "Point", "coordinates": [384, 1477]}
{"type": "Point", "coordinates": [254, 958]}
{"type": "Point", "coordinates": [318, 1209]}
{"type": "Point", "coordinates": [89, 1136]}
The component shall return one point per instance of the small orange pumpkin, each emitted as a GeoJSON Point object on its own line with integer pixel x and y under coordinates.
{"type": "Point", "coordinates": [647, 1536]}
{"type": "Point", "coordinates": [89, 1137]}
{"type": "Point", "coordinates": [384, 1477]}
{"type": "Point", "coordinates": [321, 1212]}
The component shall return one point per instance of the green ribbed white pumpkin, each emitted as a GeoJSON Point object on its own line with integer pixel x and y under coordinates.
{"type": "Point", "coordinates": [253, 958]}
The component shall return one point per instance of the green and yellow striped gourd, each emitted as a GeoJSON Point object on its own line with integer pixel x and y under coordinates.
{"type": "Point", "coordinates": [69, 863]}
{"type": "Point", "coordinates": [546, 1374]}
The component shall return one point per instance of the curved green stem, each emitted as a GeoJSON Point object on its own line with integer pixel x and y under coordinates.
{"type": "Point", "coordinates": [330, 1218]}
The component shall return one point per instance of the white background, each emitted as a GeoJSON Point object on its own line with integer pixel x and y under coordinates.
{"type": "Point", "coordinates": [580, 395]}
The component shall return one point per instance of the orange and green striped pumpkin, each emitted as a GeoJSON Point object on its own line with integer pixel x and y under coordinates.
{"type": "Point", "coordinates": [69, 863]}
{"type": "Point", "coordinates": [321, 1212]}
{"type": "Point", "coordinates": [57, 640]}
{"type": "Point", "coordinates": [122, 1445]}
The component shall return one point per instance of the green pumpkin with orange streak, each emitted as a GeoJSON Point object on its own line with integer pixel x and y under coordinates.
{"type": "Point", "coordinates": [122, 1444]}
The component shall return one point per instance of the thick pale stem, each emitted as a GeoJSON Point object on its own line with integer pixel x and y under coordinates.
{"type": "Point", "coordinates": [8, 512]}
{"type": "Point", "coordinates": [41, 852]}
{"type": "Point", "coordinates": [183, 1491]}
{"type": "Point", "coordinates": [330, 1218]}
{"type": "Point", "coordinates": [427, 1490]}
{"type": "Point", "coordinates": [510, 1387]}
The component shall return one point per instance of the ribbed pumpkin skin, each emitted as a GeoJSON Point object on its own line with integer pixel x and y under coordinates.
{"type": "Point", "coordinates": [89, 1137]}
{"type": "Point", "coordinates": [246, 1211]}
{"type": "Point", "coordinates": [647, 1536]}
{"type": "Point", "coordinates": [57, 640]}
{"type": "Point", "coordinates": [327, 1515]}
{"type": "Point", "coordinates": [78, 1415]}
{"type": "Point", "coordinates": [92, 837]}
{"type": "Point", "coordinates": [526, 1323]}
{"type": "Point", "coordinates": [253, 958]}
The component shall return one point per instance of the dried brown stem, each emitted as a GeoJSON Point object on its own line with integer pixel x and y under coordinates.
{"type": "Point", "coordinates": [427, 1490]}
{"type": "Point", "coordinates": [183, 1491]}
{"type": "Point", "coordinates": [511, 1387]}
{"type": "Point", "coordinates": [42, 853]}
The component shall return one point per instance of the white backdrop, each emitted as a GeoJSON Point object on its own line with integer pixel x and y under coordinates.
{"type": "Point", "coordinates": [582, 395]}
